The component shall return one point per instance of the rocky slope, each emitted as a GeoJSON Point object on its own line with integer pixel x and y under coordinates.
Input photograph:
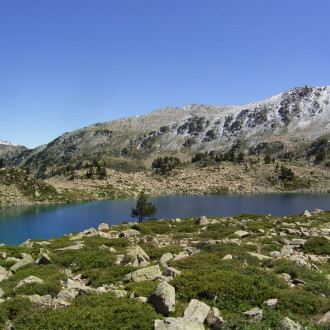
{"type": "Point", "coordinates": [9, 150]}
{"type": "Point", "coordinates": [240, 272]}
{"type": "Point", "coordinates": [283, 122]}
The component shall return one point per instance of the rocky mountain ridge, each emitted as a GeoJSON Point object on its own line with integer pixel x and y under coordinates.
{"type": "Point", "coordinates": [284, 121]}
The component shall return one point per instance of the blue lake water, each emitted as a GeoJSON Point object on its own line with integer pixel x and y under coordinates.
{"type": "Point", "coordinates": [18, 223]}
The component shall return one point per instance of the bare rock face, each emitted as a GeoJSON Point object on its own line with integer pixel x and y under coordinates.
{"type": "Point", "coordinates": [197, 310]}
{"type": "Point", "coordinates": [149, 273]}
{"type": "Point", "coordinates": [163, 299]}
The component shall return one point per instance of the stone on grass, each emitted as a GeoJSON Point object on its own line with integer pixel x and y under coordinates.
{"type": "Point", "coordinates": [166, 257]}
{"type": "Point", "coordinates": [285, 277]}
{"type": "Point", "coordinates": [325, 318]}
{"type": "Point", "coordinates": [66, 295]}
{"type": "Point", "coordinates": [274, 254]}
{"type": "Point", "coordinates": [1, 293]}
{"type": "Point", "coordinates": [129, 233]}
{"type": "Point", "coordinates": [171, 271]}
{"type": "Point", "coordinates": [197, 310]}
{"type": "Point", "coordinates": [29, 280]}
{"type": "Point", "coordinates": [178, 323]}
{"type": "Point", "coordinates": [288, 324]}
{"type": "Point", "coordinates": [149, 273]}
{"type": "Point", "coordinates": [306, 214]}
{"type": "Point", "coordinates": [256, 313]}
{"type": "Point", "coordinates": [213, 317]}
{"type": "Point", "coordinates": [227, 257]}
{"type": "Point", "coordinates": [4, 273]}
{"type": "Point", "coordinates": [259, 256]}
{"type": "Point", "coordinates": [44, 259]}
{"type": "Point", "coordinates": [77, 246]}
{"type": "Point", "coordinates": [203, 220]}
{"type": "Point", "coordinates": [137, 256]}
{"type": "Point", "coordinates": [119, 293]}
{"type": "Point", "coordinates": [163, 299]}
{"type": "Point", "coordinates": [27, 244]}
{"type": "Point", "coordinates": [271, 303]}
{"type": "Point", "coordinates": [242, 233]}
{"type": "Point", "coordinates": [26, 260]}
{"type": "Point", "coordinates": [103, 226]}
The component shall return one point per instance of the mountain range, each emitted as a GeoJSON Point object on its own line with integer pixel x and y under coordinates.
{"type": "Point", "coordinates": [281, 123]}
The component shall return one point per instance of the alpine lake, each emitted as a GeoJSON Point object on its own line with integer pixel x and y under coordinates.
{"type": "Point", "coordinates": [19, 223]}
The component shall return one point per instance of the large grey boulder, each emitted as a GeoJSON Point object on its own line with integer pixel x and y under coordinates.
{"type": "Point", "coordinates": [149, 273]}
{"type": "Point", "coordinates": [26, 260]}
{"type": "Point", "coordinates": [178, 323]}
{"type": "Point", "coordinates": [163, 299]}
{"type": "Point", "coordinates": [197, 310]}
{"type": "Point", "coordinates": [29, 280]}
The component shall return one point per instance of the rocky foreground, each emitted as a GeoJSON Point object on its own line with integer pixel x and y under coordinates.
{"type": "Point", "coordinates": [241, 272]}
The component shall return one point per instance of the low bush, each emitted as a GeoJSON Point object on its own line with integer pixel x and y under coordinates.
{"type": "Point", "coordinates": [92, 312]}
{"type": "Point", "coordinates": [317, 245]}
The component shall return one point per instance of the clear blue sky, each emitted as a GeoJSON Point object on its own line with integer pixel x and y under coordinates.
{"type": "Point", "coordinates": [66, 64]}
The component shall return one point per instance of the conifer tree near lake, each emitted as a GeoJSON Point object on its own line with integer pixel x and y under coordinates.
{"type": "Point", "coordinates": [143, 208]}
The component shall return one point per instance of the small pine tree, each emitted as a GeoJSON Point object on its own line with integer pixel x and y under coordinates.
{"type": "Point", "coordinates": [143, 208]}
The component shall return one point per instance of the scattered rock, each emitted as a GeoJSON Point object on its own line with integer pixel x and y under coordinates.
{"type": "Point", "coordinates": [284, 276]}
{"type": "Point", "coordinates": [259, 256]}
{"type": "Point", "coordinates": [28, 280]}
{"type": "Point", "coordinates": [256, 313]}
{"type": "Point", "coordinates": [77, 246]}
{"type": "Point", "coordinates": [242, 233]}
{"type": "Point", "coordinates": [170, 271]}
{"type": "Point", "coordinates": [227, 257]}
{"type": "Point", "coordinates": [3, 255]}
{"type": "Point", "coordinates": [213, 317]}
{"type": "Point", "coordinates": [142, 299]}
{"type": "Point", "coordinates": [325, 318]}
{"type": "Point", "coordinates": [119, 293]}
{"type": "Point", "coordinates": [26, 260]}
{"type": "Point", "coordinates": [4, 273]}
{"type": "Point", "coordinates": [129, 233]}
{"type": "Point", "coordinates": [166, 257]}
{"type": "Point", "coordinates": [137, 256]}
{"type": "Point", "coordinates": [274, 254]}
{"type": "Point", "coordinates": [299, 241]}
{"type": "Point", "coordinates": [44, 259]}
{"type": "Point", "coordinates": [1, 293]}
{"type": "Point", "coordinates": [288, 324]}
{"type": "Point", "coordinates": [27, 244]}
{"type": "Point", "coordinates": [103, 226]}
{"type": "Point", "coordinates": [197, 310]}
{"type": "Point", "coordinates": [271, 303]}
{"type": "Point", "coordinates": [202, 221]}
{"type": "Point", "coordinates": [66, 295]}
{"type": "Point", "coordinates": [178, 323]}
{"type": "Point", "coordinates": [149, 273]}
{"type": "Point", "coordinates": [163, 299]}
{"type": "Point", "coordinates": [306, 214]}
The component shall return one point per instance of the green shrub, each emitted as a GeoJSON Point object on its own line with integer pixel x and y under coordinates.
{"type": "Point", "coordinates": [92, 312]}
{"type": "Point", "coordinates": [142, 289]}
{"type": "Point", "coordinates": [317, 245]}
{"type": "Point", "coordinates": [13, 307]}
